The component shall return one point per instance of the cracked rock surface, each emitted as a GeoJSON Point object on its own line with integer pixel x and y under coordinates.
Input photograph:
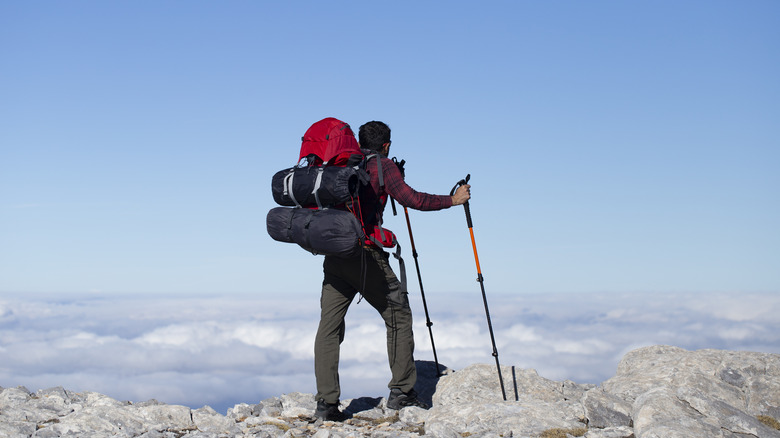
{"type": "Point", "coordinates": [658, 391]}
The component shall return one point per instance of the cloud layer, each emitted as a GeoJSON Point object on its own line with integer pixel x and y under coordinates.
{"type": "Point", "coordinates": [226, 349]}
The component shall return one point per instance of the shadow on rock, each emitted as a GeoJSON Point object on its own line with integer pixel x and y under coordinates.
{"type": "Point", "coordinates": [362, 404]}
{"type": "Point", "coordinates": [427, 379]}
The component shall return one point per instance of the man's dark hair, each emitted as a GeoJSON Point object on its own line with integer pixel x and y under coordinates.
{"type": "Point", "coordinates": [373, 135]}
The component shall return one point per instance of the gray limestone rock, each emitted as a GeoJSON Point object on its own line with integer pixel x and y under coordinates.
{"type": "Point", "coordinates": [663, 412]}
{"type": "Point", "coordinates": [477, 383]}
{"type": "Point", "coordinates": [605, 410]}
{"type": "Point", "coordinates": [611, 432]}
{"type": "Point", "coordinates": [657, 391]}
{"type": "Point", "coordinates": [413, 415]}
{"type": "Point", "coordinates": [16, 429]}
{"type": "Point", "coordinates": [525, 418]}
{"type": "Point", "coordinates": [743, 379]}
{"type": "Point", "coordinates": [207, 419]}
{"type": "Point", "coordinates": [240, 412]}
{"type": "Point", "coordinates": [165, 417]}
{"type": "Point", "coordinates": [271, 407]}
{"type": "Point", "coordinates": [714, 392]}
{"type": "Point", "coordinates": [296, 404]}
{"type": "Point", "coordinates": [470, 402]}
{"type": "Point", "coordinates": [659, 414]}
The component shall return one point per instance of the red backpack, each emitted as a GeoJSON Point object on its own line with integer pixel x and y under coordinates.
{"type": "Point", "coordinates": [329, 142]}
{"type": "Point", "coordinates": [329, 170]}
{"type": "Point", "coordinates": [318, 195]}
{"type": "Point", "coordinates": [323, 189]}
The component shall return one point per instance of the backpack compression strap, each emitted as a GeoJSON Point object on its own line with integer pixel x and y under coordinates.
{"type": "Point", "coordinates": [288, 186]}
{"type": "Point", "coordinates": [317, 184]}
{"type": "Point", "coordinates": [401, 264]}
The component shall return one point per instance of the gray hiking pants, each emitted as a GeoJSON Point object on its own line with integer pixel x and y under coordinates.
{"type": "Point", "coordinates": [343, 279]}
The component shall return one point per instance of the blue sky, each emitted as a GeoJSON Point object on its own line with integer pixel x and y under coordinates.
{"type": "Point", "coordinates": [613, 146]}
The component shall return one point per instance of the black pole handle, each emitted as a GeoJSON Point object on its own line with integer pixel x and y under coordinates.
{"type": "Point", "coordinates": [400, 165]}
{"type": "Point", "coordinates": [462, 182]}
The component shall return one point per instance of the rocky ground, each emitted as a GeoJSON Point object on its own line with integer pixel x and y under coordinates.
{"type": "Point", "coordinates": [657, 391]}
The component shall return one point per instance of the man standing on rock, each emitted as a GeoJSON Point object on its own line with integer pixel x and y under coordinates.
{"type": "Point", "coordinates": [370, 275]}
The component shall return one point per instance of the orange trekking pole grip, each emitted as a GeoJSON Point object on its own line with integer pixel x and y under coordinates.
{"type": "Point", "coordinates": [480, 279]}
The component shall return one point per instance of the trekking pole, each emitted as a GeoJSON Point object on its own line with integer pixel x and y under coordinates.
{"type": "Point", "coordinates": [422, 292]}
{"type": "Point", "coordinates": [480, 279]}
{"type": "Point", "coordinates": [428, 322]}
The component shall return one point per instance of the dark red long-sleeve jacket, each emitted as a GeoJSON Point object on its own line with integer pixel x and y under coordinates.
{"type": "Point", "coordinates": [373, 197]}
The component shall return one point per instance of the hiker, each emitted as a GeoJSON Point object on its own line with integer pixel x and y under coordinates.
{"type": "Point", "coordinates": [369, 274]}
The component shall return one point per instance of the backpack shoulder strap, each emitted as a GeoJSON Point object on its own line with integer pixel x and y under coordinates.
{"type": "Point", "coordinates": [378, 168]}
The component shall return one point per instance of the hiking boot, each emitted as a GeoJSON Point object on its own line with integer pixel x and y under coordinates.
{"type": "Point", "coordinates": [399, 399]}
{"type": "Point", "coordinates": [328, 411]}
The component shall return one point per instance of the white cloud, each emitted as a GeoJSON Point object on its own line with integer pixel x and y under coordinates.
{"type": "Point", "coordinates": [738, 306]}
{"type": "Point", "coordinates": [585, 347]}
{"type": "Point", "coordinates": [83, 340]}
{"type": "Point", "coordinates": [226, 350]}
{"type": "Point", "coordinates": [521, 333]}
